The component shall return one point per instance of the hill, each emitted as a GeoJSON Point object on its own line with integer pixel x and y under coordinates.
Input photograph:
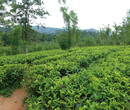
{"type": "Point", "coordinates": [49, 30]}
{"type": "Point", "coordinates": [52, 30]}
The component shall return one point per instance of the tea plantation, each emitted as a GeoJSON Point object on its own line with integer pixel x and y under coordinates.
{"type": "Point", "coordinates": [88, 78]}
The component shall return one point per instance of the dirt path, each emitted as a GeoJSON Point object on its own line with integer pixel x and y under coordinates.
{"type": "Point", "coordinates": [14, 102]}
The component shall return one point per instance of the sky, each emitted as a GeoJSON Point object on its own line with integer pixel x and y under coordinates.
{"type": "Point", "coordinates": [91, 13]}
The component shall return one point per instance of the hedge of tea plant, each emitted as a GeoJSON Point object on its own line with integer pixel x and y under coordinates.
{"type": "Point", "coordinates": [88, 78]}
{"type": "Point", "coordinates": [28, 58]}
{"type": "Point", "coordinates": [80, 81]}
{"type": "Point", "coordinates": [10, 77]}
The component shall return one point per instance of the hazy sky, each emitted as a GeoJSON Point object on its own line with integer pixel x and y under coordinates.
{"type": "Point", "coordinates": [91, 13]}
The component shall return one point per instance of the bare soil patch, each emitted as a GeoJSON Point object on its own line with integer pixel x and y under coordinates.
{"type": "Point", "coordinates": [14, 102]}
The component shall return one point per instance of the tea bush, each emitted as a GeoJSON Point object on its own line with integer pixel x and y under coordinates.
{"type": "Point", "coordinates": [10, 77]}
{"type": "Point", "coordinates": [93, 78]}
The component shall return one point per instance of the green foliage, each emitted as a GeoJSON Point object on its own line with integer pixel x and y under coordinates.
{"type": "Point", "coordinates": [46, 45]}
{"type": "Point", "coordinates": [23, 13]}
{"type": "Point", "coordinates": [4, 39]}
{"type": "Point", "coordinates": [10, 78]}
{"type": "Point", "coordinates": [71, 21]}
{"type": "Point", "coordinates": [76, 37]}
{"type": "Point", "coordinates": [5, 51]}
{"type": "Point", "coordinates": [90, 78]}
{"type": "Point", "coordinates": [63, 40]}
{"type": "Point", "coordinates": [16, 39]}
{"type": "Point", "coordinates": [125, 30]}
{"type": "Point", "coordinates": [1, 41]}
{"type": "Point", "coordinates": [80, 78]}
{"type": "Point", "coordinates": [89, 41]}
{"type": "Point", "coordinates": [3, 21]}
{"type": "Point", "coordinates": [33, 47]}
{"type": "Point", "coordinates": [28, 58]}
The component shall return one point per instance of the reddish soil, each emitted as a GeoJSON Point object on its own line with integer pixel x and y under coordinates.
{"type": "Point", "coordinates": [14, 102]}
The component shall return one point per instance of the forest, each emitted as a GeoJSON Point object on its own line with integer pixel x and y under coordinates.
{"type": "Point", "coordinates": [66, 68]}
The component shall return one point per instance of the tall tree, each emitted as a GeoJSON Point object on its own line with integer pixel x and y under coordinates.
{"type": "Point", "coordinates": [125, 30]}
{"type": "Point", "coordinates": [115, 34]}
{"type": "Point", "coordinates": [105, 34]}
{"type": "Point", "coordinates": [3, 20]}
{"type": "Point", "coordinates": [15, 38]}
{"type": "Point", "coordinates": [71, 21]}
{"type": "Point", "coordinates": [67, 22]}
{"type": "Point", "coordinates": [25, 13]}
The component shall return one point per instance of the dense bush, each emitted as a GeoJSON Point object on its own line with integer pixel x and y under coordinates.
{"type": "Point", "coordinates": [43, 46]}
{"type": "Point", "coordinates": [16, 39]}
{"type": "Point", "coordinates": [63, 41]}
{"type": "Point", "coordinates": [10, 77]}
{"type": "Point", "coordinates": [5, 51]}
{"type": "Point", "coordinates": [79, 79]}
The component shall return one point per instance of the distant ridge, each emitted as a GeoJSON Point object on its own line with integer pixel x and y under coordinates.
{"type": "Point", "coordinates": [52, 30]}
{"type": "Point", "coordinates": [90, 30]}
{"type": "Point", "coordinates": [49, 30]}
